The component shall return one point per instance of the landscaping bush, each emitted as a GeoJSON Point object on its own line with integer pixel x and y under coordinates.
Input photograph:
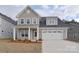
{"type": "Point", "coordinates": [40, 39]}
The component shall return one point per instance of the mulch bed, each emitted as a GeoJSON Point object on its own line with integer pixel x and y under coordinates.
{"type": "Point", "coordinates": [25, 41]}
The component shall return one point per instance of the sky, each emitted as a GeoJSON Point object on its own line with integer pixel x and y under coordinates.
{"type": "Point", "coordinates": [67, 12]}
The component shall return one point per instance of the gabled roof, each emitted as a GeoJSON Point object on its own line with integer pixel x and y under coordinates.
{"type": "Point", "coordinates": [25, 9]}
{"type": "Point", "coordinates": [7, 18]}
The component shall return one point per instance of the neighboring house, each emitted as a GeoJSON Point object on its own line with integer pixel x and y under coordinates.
{"type": "Point", "coordinates": [31, 26]}
{"type": "Point", "coordinates": [6, 26]}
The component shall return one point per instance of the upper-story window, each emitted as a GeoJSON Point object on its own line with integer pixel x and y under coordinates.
{"type": "Point", "coordinates": [28, 21]}
{"type": "Point", "coordinates": [22, 21]}
{"type": "Point", "coordinates": [51, 21]}
{"type": "Point", "coordinates": [34, 21]}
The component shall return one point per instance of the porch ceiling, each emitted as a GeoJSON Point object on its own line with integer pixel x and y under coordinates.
{"type": "Point", "coordinates": [25, 26]}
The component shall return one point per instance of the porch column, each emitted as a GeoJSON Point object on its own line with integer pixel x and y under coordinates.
{"type": "Point", "coordinates": [37, 33]}
{"type": "Point", "coordinates": [29, 33]}
{"type": "Point", "coordinates": [14, 33]}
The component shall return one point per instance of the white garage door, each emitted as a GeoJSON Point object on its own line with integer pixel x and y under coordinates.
{"type": "Point", "coordinates": [52, 34]}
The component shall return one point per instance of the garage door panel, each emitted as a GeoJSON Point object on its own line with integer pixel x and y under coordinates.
{"type": "Point", "coordinates": [52, 34]}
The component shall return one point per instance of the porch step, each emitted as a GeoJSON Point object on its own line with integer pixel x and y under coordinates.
{"type": "Point", "coordinates": [33, 40]}
{"type": "Point", "coordinates": [36, 41]}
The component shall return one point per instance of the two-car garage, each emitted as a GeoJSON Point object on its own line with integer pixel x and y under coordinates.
{"type": "Point", "coordinates": [54, 34]}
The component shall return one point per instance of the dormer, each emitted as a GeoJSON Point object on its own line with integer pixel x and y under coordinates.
{"type": "Point", "coordinates": [51, 21]}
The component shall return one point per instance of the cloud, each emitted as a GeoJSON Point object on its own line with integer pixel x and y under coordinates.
{"type": "Point", "coordinates": [11, 10]}
{"type": "Point", "coordinates": [45, 6]}
{"type": "Point", "coordinates": [63, 11]}
{"type": "Point", "coordinates": [45, 10]}
{"type": "Point", "coordinates": [67, 12]}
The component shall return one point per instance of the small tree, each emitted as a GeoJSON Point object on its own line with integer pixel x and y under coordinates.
{"type": "Point", "coordinates": [66, 21]}
{"type": "Point", "coordinates": [73, 21]}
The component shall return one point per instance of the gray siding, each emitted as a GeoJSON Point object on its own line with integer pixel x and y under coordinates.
{"type": "Point", "coordinates": [73, 34]}
{"type": "Point", "coordinates": [6, 26]}
{"type": "Point", "coordinates": [6, 29]}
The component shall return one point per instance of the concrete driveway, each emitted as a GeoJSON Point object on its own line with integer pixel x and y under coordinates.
{"type": "Point", "coordinates": [59, 46]}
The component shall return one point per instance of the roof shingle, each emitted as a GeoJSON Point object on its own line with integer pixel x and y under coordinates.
{"type": "Point", "coordinates": [7, 19]}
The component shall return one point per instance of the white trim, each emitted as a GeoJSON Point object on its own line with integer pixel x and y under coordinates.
{"type": "Point", "coordinates": [66, 34]}
{"type": "Point", "coordinates": [29, 34]}
{"type": "Point", "coordinates": [37, 33]}
{"type": "Point", "coordinates": [42, 28]}
{"type": "Point", "coordinates": [14, 33]}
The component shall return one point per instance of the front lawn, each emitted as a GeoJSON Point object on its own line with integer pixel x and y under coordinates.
{"type": "Point", "coordinates": [7, 46]}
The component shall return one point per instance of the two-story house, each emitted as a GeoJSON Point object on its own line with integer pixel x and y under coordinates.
{"type": "Point", "coordinates": [31, 26]}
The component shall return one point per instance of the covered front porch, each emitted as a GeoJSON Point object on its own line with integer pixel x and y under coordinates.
{"type": "Point", "coordinates": [29, 33]}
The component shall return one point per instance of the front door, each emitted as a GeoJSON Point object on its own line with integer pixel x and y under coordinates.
{"type": "Point", "coordinates": [24, 34]}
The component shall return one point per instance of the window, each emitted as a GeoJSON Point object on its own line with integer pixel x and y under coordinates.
{"type": "Point", "coordinates": [44, 31]}
{"type": "Point", "coordinates": [2, 31]}
{"type": "Point", "coordinates": [49, 32]}
{"type": "Point", "coordinates": [59, 31]}
{"type": "Point", "coordinates": [11, 33]}
{"type": "Point", "coordinates": [22, 21]}
{"type": "Point", "coordinates": [51, 21]}
{"type": "Point", "coordinates": [26, 33]}
{"type": "Point", "coordinates": [54, 31]}
{"type": "Point", "coordinates": [22, 35]}
{"type": "Point", "coordinates": [28, 21]}
{"type": "Point", "coordinates": [34, 21]}
{"type": "Point", "coordinates": [35, 34]}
